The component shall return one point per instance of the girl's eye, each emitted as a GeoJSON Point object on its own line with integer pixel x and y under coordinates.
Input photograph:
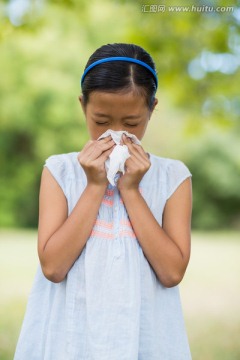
{"type": "Point", "coordinates": [131, 125]}
{"type": "Point", "coordinates": [99, 123]}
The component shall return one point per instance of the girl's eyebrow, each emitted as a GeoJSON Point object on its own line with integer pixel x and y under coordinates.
{"type": "Point", "coordinates": [101, 115]}
{"type": "Point", "coordinates": [124, 118]}
{"type": "Point", "coordinates": [131, 117]}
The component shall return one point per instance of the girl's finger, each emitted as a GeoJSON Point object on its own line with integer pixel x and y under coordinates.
{"type": "Point", "coordinates": [103, 157]}
{"type": "Point", "coordinates": [106, 139]}
{"type": "Point", "coordinates": [98, 148]}
{"type": "Point", "coordinates": [141, 150]}
{"type": "Point", "coordinates": [90, 144]}
{"type": "Point", "coordinates": [86, 146]}
{"type": "Point", "coordinates": [137, 151]}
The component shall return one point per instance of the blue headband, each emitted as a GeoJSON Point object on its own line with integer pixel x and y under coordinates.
{"type": "Point", "coordinates": [121, 58]}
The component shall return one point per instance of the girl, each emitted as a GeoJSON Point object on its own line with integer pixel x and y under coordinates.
{"type": "Point", "coordinates": [111, 255]}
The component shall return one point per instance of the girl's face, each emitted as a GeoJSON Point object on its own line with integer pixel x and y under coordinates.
{"type": "Point", "coordinates": [116, 111]}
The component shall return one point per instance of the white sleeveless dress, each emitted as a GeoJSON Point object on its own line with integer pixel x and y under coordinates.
{"type": "Point", "coordinates": [111, 305]}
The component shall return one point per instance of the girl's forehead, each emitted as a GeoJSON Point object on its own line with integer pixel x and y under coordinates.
{"type": "Point", "coordinates": [107, 99]}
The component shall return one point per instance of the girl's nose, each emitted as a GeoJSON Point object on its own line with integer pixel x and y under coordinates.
{"type": "Point", "coordinates": [116, 128]}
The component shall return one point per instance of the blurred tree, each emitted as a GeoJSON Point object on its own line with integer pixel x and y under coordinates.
{"type": "Point", "coordinates": [216, 173]}
{"type": "Point", "coordinates": [44, 47]}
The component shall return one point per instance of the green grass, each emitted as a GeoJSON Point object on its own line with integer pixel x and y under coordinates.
{"type": "Point", "coordinates": [210, 292]}
{"type": "Point", "coordinates": [18, 263]}
{"type": "Point", "coordinates": [211, 296]}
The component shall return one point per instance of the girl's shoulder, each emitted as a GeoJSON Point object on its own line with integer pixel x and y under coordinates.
{"type": "Point", "coordinates": [64, 167]}
{"type": "Point", "coordinates": [64, 164]}
{"type": "Point", "coordinates": [170, 171]}
{"type": "Point", "coordinates": [168, 164]}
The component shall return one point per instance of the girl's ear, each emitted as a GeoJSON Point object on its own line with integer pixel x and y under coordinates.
{"type": "Point", "coordinates": [80, 98]}
{"type": "Point", "coordinates": [155, 103]}
{"type": "Point", "coordinates": [153, 107]}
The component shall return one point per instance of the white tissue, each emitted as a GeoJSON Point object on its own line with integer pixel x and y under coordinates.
{"type": "Point", "coordinates": [116, 161]}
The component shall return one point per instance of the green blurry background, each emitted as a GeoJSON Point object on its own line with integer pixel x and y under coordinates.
{"type": "Point", "coordinates": [44, 46]}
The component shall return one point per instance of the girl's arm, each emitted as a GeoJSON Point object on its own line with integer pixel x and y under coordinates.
{"type": "Point", "coordinates": [167, 248]}
{"type": "Point", "coordinates": [61, 238]}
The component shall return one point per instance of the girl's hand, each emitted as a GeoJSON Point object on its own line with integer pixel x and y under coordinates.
{"type": "Point", "coordinates": [135, 166]}
{"type": "Point", "coordinates": [92, 158]}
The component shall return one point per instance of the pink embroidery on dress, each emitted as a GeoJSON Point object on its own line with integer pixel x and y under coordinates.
{"type": "Point", "coordinates": [103, 229]}
{"type": "Point", "coordinates": [101, 234]}
{"type": "Point", "coordinates": [109, 192]}
{"type": "Point", "coordinates": [107, 202]}
{"type": "Point", "coordinates": [127, 233]}
{"type": "Point", "coordinates": [104, 224]}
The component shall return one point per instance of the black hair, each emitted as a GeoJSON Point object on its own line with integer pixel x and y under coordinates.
{"type": "Point", "coordinates": [118, 76]}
